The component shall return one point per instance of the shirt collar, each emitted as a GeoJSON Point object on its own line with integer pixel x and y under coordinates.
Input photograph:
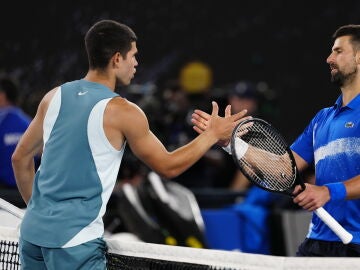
{"type": "Point", "coordinates": [353, 104]}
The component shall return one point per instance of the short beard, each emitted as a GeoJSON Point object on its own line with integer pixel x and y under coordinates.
{"type": "Point", "coordinates": [340, 79]}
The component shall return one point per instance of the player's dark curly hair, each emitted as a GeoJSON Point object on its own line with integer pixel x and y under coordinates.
{"type": "Point", "coordinates": [104, 39]}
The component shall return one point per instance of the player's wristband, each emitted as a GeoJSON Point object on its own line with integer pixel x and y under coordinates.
{"type": "Point", "coordinates": [241, 147]}
{"type": "Point", "coordinates": [227, 148]}
{"type": "Point", "coordinates": [337, 191]}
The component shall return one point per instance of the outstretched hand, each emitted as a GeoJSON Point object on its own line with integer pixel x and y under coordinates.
{"type": "Point", "coordinates": [202, 121]}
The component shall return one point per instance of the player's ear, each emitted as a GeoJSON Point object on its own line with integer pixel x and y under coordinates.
{"type": "Point", "coordinates": [357, 57]}
{"type": "Point", "coordinates": [116, 59]}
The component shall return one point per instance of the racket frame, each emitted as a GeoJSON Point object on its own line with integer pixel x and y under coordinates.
{"type": "Point", "coordinates": [337, 228]}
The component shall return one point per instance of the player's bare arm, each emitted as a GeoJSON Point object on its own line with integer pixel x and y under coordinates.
{"type": "Point", "coordinates": [134, 126]}
{"type": "Point", "coordinates": [30, 144]}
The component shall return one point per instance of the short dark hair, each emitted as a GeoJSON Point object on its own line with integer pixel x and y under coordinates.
{"type": "Point", "coordinates": [10, 88]}
{"type": "Point", "coordinates": [104, 39]}
{"type": "Point", "coordinates": [352, 30]}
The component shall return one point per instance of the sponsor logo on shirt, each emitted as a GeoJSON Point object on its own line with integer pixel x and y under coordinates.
{"type": "Point", "coordinates": [349, 124]}
{"type": "Point", "coordinates": [82, 93]}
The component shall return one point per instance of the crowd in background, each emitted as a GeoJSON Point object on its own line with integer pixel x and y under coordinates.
{"type": "Point", "coordinates": [169, 106]}
{"type": "Point", "coordinates": [257, 58]}
{"type": "Point", "coordinates": [261, 41]}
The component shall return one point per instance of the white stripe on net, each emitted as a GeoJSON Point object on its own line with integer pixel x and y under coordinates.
{"type": "Point", "coordinates": [9, 234]}
{"type": "Point", "coordinates": [215, 258]}
{"type": "Point", "coordinates": [234, 260]}
{"type": "Point", "coordinates": [12, 209]}
{"type": "Point", "coordinates": [218, 259]}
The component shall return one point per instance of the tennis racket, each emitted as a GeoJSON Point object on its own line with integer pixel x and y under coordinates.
{"type": "Point", "coordinates": [264, 157]}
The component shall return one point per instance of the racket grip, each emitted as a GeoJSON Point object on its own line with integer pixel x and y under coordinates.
{"type": "Point", "coordinates": [339, 230]}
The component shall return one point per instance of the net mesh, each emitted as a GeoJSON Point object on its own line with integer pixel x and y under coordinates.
{"type": "Point", "coordinates": [9, 256]}
{"type": "Point", "coordinates": [132, 255]}
{"type": "Point", "coordinates": [129, 254]}
{"type": "Point", "coordinates": [128, 262]}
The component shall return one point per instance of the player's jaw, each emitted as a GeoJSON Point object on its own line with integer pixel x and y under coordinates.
{"type": "Point", "coordinates": [125, 78]}
{"type": "Point", "coordinates": [342, 77]}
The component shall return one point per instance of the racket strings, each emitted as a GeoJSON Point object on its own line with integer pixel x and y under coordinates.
{"type": "Point", "coordinates": [271, 166]}
{"type": "Point", "coordinates": [271, 175]}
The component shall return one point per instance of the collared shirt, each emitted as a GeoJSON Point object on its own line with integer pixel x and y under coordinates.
{"type": "Point", "coordinates": [332, 143]}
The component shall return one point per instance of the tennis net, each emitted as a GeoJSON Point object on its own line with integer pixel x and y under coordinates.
{"type": "Point", "coordinates": [128, 254]}
{"type": "Point", "coordinates": [135, 255]}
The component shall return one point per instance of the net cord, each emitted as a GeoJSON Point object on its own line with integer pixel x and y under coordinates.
{"type": "Point", "coordinates": [12, 209]}
{"type": "Point", "coordinates": [219, 259]}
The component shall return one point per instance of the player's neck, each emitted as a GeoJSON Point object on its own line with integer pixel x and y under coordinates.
{"type": "Point", "coordinates": [101, 77]}
{"type": "Point", "coordinates": [350, 91]}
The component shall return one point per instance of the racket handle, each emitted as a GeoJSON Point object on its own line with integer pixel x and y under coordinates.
{"type": "Point", "coordinates": [339, 230]}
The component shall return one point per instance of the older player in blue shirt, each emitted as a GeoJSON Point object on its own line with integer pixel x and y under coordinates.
{"type": "Point", "coordinates": [332, 143]}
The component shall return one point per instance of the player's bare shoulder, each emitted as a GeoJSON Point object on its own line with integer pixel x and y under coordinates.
{"type": "Point", "coordinates": [44, 103]}
{"type": "Point", "coordinates": [123, 119]}
{"type": "Point", "coordinates": [121, 108]}
{"type": "Point", "coordinates": [49, 95]}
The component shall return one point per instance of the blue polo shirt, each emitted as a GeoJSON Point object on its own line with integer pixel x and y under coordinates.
{"type": "Point", "coordinates": [332, 143]}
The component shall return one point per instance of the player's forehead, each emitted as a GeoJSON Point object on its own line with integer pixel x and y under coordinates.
{"type": "Point", "coordinates": [342, 42]}
{"type": "Point", "coordinates": [133, 49]}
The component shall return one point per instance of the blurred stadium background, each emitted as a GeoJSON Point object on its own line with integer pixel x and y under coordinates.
{"type": "Point", "coordinates": [280, 45]}
{"type": "Point", "coordinates": [284, 43]}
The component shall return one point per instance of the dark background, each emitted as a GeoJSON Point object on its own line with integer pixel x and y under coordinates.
{"type": "Point", "coordinates": [283, 43]}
